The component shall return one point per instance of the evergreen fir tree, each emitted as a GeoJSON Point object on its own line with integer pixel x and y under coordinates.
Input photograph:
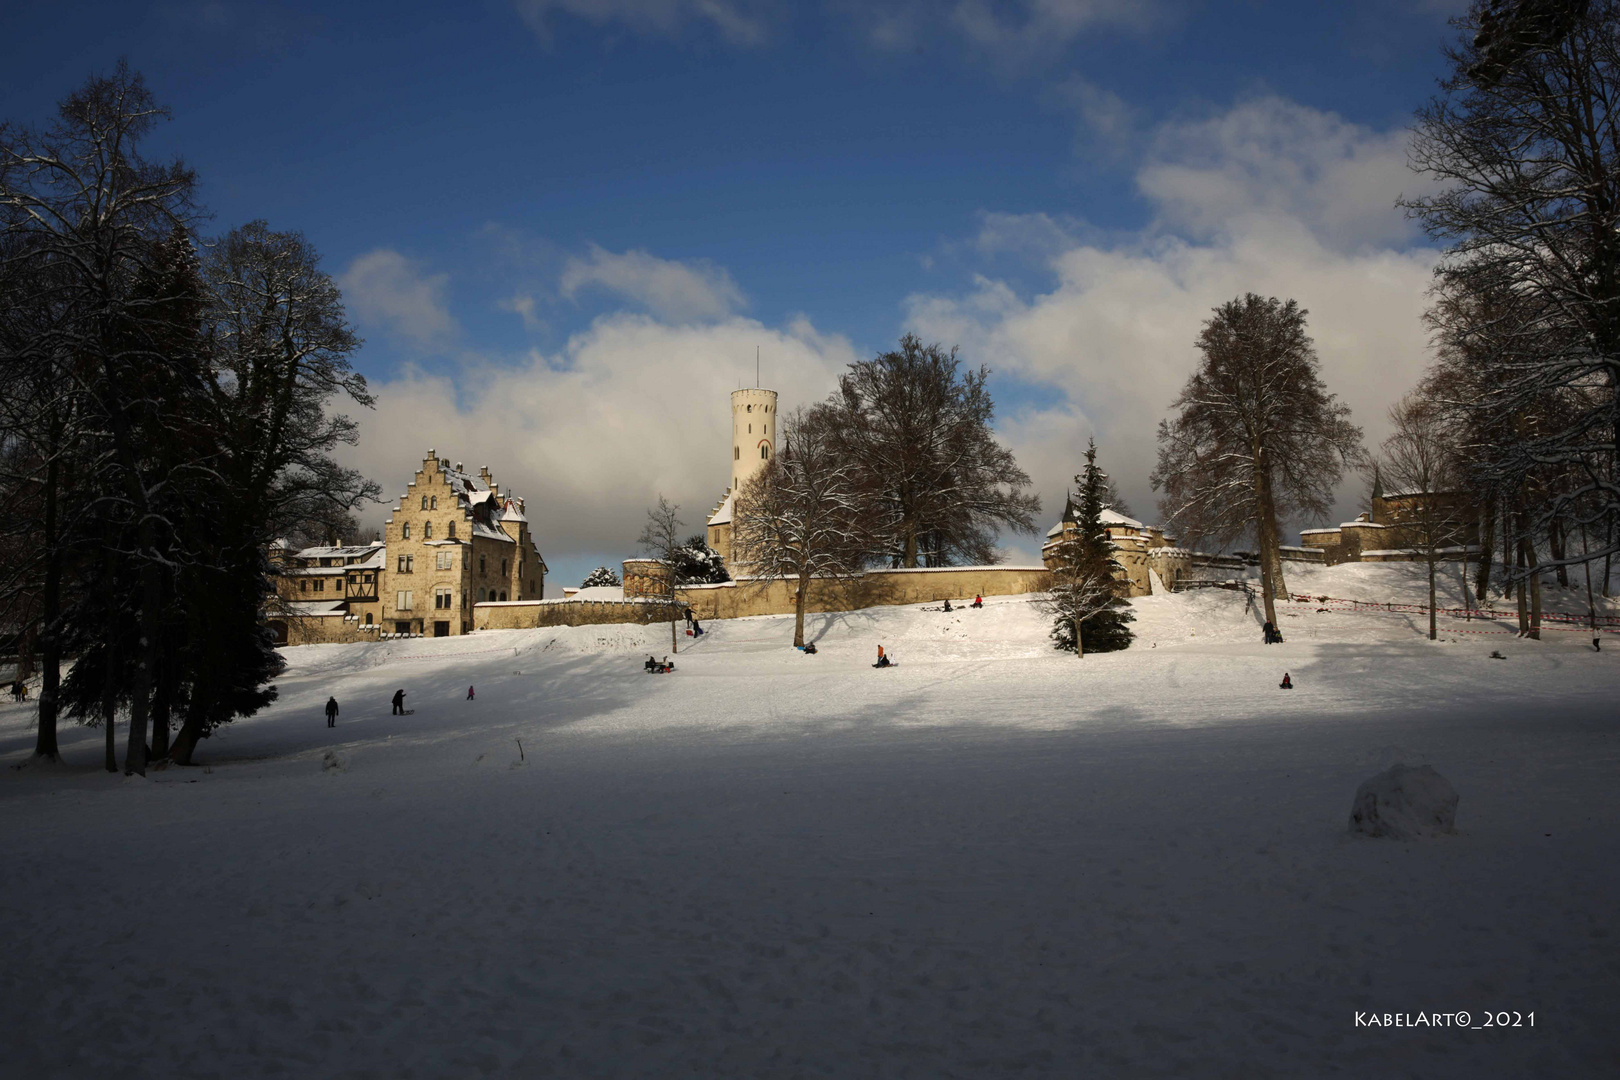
{"type": "Point", "coordinates": [602, 576]}
{"type": "Point", "coordinates": [1088, 581]}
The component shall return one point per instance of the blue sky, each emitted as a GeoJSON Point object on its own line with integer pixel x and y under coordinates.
{"type": "Point", "coordinates": [563, 226]}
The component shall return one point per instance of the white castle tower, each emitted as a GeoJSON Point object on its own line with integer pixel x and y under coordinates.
{"type": "Point", "coordinates": [753, 432]}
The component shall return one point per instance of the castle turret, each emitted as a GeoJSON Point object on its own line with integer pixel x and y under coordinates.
{"type": "Point", "coordinates": [753, 432]}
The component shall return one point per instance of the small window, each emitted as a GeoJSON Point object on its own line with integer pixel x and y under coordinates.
{"type": "Point", "coordinates": [410, 564]}
{"type": "Point", "coordinates": [303, 586]}
{"type": "Point", "coordinates": [320, 585]}
{"type": "Point", "coordinates": [480, 596]}
{"type": "Point", "coordinates": [503, 568]}
{"type": "Point", "coordinates": [736, 453]}
{"type": "Point", "coordinates": [450, 530]}
{"type": "Point", "coordinates": [750, 429]}
{"type": "Point", "coordinates": [503, 596]}
{"type": "Point", "coordinates": [427, 530]}
{"type": "Point", "coordinates": [405, 531]}
{"type": "Point", "coordinates": [446, 560]}
{"type": "Point", "coordinates": [764, 453]}
{"type": "Point", "coordinates": [750, 408]}
{"type": "Point", "coordinates": [480, 564]}
{"type": "Point", "coordinates": [433, 503]}
{"type": "Point", "coordinates": [424, 502]}
{"type": "Point", "coordinates": [368, 618]}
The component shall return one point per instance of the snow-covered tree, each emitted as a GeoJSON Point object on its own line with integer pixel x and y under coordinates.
{"type": "Point", "coordinates": [600, 577]}
{"type": "Point", "coordinates": [1420, 458]}
{"type": "Point", "coordinates": [803, 516]}
{"type": "Point", "coordinates": [1086, 597]}
{"type": "Point", "coordinates": [1523, 143]}
{"type": "Point", "coordinates": [661, 540]}
{"type": "Point", "coordinates": [1256, 436]}
{"type": "Point", "coordinates": [700, 564]}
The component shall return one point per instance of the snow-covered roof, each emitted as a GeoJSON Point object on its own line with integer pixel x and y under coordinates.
{"type": "Point", "coordinates": [1317, 532]}
{"type": "Point", "coordinates": [599, 592]}
{"type": "Point", "coordinates": [354, 552]}
{"type": "Point", "coordinates": [488, 533]}
{"type": "Point", "coordinates": [309, 608]}
{"type": "Point", "coordinates": [1055, 530]}
{"type": "Point", "coordinates": [510, 512]}
{"type": "Point", "coordinates": [1113, 517]}
{"type": "Point", "coordinates": [722, 516]}
{"type": "Point", "coordinates": [1361, 525]}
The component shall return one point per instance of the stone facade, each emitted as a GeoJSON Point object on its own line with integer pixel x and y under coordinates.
{"type": "Point", "coordinates": [454, 540]}
{"type": "Point", "coordinates": [1388, 532]}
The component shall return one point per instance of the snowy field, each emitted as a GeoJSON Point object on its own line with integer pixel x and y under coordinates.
{"type": "Point", "coordinates": [993, 860]}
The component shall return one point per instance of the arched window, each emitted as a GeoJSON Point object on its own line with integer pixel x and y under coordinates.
{"type": "Point", "coordinates": [503, 595]}
{"type": "Point", "coordinates": [405, 531]}
{"type": "Point", "coordinates": [750, 408]}
{"type": "Point", "coordinates": [433, 503]}
{"type": "Point", "coordinates": [427, 530]}
{"type": "Point", "coordinates": [424, 502]}
{"type": "Point", "coordinates": [451, 532]}
{"type": "Point", "coordinates": [480, 596]}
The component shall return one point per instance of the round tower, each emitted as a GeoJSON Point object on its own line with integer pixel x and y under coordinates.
{"type": "Point", "coordinates": [753, 432]}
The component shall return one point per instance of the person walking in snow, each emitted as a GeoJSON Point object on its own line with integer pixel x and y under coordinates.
{"type": "Point", "coordinates": [331, 712]}
{"type": "Point", "coordinates": [469, 693]}
{"type": "Point", "coordinates": [399, 703]}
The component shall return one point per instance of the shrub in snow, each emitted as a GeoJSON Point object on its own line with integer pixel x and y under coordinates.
{"type": "Point", "coordinates": [599, 577]}
{"type": "Point", "coordinates": [333, 763]}
{"type": "Point", "coordinates": [1405, 803]}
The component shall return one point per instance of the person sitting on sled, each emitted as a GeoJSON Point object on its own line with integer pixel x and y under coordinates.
{"type": "Point", "coordinates": [978, 601]}
{"type": "Point", "coordinates": [883, 660]}
{"type": "Point", "coordinates": [1287, 683]}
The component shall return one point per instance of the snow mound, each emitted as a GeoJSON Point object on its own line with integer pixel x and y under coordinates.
{"type": "Point", "coordinates": [1405, 803]}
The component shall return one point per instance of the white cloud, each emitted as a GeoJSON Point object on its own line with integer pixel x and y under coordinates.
{"type": "Point", "coordinates": [384, 289]}
{"type": "Point", "coordinates": [1304, 210]}
{"type": "Point", "coordinates": [630, 408]}
{"type": "Point", "coordinates": [1272, 157]}
{"type": "Point", "coordinates": [674, 291]}
{"type": "Point", "coordinates": [740, 22]}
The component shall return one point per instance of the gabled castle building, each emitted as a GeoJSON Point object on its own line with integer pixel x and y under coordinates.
{"type": "Point", "coordinates": [454, 540]}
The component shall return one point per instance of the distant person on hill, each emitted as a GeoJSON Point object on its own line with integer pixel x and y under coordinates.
{"type": "Point", "coordinates": [697, 627]}
{"type": "Point", "coordinates": [1287, 683]}
{"type": "Point", "coordinates": [651, 665]}
{"type": "Point", "coordinates": [399, 703]}
{"type": "Point", "coordinates": [331, 712]}
{"type": "Point", "coordinates": [948, 605]}
{"type": "Point", "coordinates": [1273, 635]}
{"type": "Point", "coordinates": [978, 601]}
{"type": "Point", "coordinates": [16, 690]}
{"type": "Point", "coordinates": [809, 648]}
{"type": "Point", "coordinates": [469, 693]}
{"type": "Point", "coordinates": [883, 659]}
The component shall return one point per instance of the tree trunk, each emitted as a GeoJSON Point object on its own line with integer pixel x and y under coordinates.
{"type": "Point", "coordinates": [1433, 628]}
{"type": "Point", "coordinates": [1524, 611]}
{"type": "Point", "coordinates": [50, 619]}
{"type": "Point", "coordinates": [109, 697]}
{"type": "Point", "coordinates": [1487, 550]}
{"type": "Point", "coordinates": [140, 701]}
{"type": "Point", "coordinates": [1271, 578]}
{"type": "Point", "coordinates": [1535, 590]}
{"type": "Point", "coordinates": [1079, 642]}
{"type": "Point", "coordinates": [190, 733]}
{"type": "Point", "coordinates": [1555, 538]}
{"type": "Point", "coordinates": [798, 608]}
{"type": "Point", "coordinates": [162, 703]}
{"type": "Point", "coordinates": [908, 559]}
{"type": "Point", "coordinates": [1586, 564]}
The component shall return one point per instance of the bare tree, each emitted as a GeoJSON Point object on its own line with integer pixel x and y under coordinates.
{"type": "Point", "coordinates": [1524, 145]}
{"type": "Point", "coordinates": [920, 430]}
{"type": "Point", "coordinates": [1256, 437]}
{"type": "Point", "coordinates": [803, 516]}
{"type": "Point", "coordinates": [1419, 460]}
{"type": "Point", "coordinates": [661, 540]}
